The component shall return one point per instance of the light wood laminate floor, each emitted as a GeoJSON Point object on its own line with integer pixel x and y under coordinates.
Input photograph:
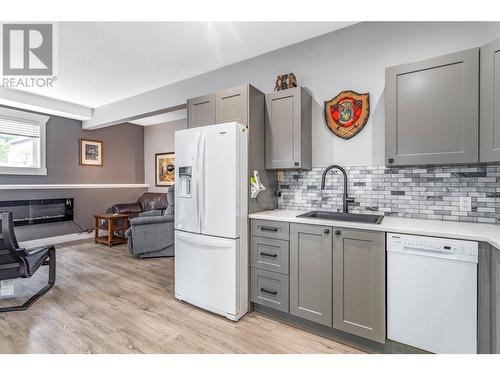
{"type": "Point", "coordinates": [105, 301]}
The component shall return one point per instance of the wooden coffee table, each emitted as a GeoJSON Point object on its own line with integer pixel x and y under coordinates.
{"type": "Point", "coordinates": [111, 223]}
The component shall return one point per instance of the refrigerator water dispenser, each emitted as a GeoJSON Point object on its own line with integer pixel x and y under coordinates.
{"type": "Point", "coordinates": [185, 182]}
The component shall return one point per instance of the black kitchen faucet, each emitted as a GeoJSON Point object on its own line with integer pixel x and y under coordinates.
{"type": "Point", "coordinates": [345, 198]}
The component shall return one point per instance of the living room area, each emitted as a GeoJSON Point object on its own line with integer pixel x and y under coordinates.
{"type": "Point", "coordinates": [59, 200]}
{"type": "Point", "coordinates": [76, 176]}
{"type": "Point", "coordinates": [118, 298]}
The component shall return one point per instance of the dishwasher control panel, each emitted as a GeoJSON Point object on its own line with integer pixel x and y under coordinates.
{"type": "Point", "coordinates": [433, 246]}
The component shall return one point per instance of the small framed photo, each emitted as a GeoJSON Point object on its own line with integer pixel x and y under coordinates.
{"type": "Point", "coordinates": [165, 168]}
{"type": "Point", "coordinates": [91, 152]}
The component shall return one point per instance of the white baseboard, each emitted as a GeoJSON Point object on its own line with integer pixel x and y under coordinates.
{"type": "Point", "coordinates": [56, 240]}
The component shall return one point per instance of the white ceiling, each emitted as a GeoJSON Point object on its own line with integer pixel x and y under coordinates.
{"type": "Point", "coordinates": [102, 62]}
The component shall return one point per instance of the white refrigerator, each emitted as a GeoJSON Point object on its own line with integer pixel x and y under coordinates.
{"type": "Point", "coordinates": [211, 208]}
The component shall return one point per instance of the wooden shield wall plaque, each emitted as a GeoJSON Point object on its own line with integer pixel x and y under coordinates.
{"type": "Point", "coordinates": [347, 113]}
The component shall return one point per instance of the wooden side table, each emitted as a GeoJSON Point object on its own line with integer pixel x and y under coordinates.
{"type": "Point", "coordinates": [111, 223]}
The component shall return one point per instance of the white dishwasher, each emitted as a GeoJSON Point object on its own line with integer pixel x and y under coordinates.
{"type": "Point", "coordinates": [432, 293]}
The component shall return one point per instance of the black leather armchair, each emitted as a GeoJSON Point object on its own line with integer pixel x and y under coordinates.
{"type": "Point", "coordinates": [16, 262]}
{"type": "Point", "coordinates": [146, 202]}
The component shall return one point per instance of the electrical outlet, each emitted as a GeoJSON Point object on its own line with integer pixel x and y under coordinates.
{"type": "Point", "coordinates": [298, 196]}
{"type": "Point", "coordinates": [465, 204]}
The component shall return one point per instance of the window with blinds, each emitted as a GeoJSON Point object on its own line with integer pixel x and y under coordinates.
{"type": "Point", "coordinates": [19, 127]}
{"type": "Point", "coordinates": [22, 142]}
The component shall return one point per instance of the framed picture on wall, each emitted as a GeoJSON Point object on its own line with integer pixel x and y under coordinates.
{"type": "Point", "coordinates": [91, 152]}
{"type": "Point", "coordinates": [165, 168]}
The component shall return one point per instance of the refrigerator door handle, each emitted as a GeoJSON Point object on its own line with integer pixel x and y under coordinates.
{"type": "Point", "coordinates": [197, 177]}
{"type": "Point", "coordinates": [201, 190]}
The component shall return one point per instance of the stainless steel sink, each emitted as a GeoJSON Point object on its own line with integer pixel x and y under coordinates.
{"type": "Point", "coordinates": [342, 216]}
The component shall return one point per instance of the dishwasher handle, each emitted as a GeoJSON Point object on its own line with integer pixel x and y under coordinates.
{"type": "Point", "coordinates": [429, 252]}
{"type": "Point", "coordinates": [434, 253]}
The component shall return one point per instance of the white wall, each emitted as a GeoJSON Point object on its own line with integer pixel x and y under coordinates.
{"type": "Point", "coordinates": [353, 58]}
{"type": "Point", "coordinates": [157, 139]}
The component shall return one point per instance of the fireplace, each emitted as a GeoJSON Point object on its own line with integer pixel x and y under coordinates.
{"type": "Point", "coordinates": [39, 211]}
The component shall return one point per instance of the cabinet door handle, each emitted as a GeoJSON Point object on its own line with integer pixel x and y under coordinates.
{"type": "Point", "coordinates": [269, 229]}
{"type": "Point", "coordinates": [269, 255]}
{"type": "Point", "coordinates": [268, 291]}
{"type": "Point", "coordinates": [326, 231]}
{"type": "Point", "coordinates": [338, 233]}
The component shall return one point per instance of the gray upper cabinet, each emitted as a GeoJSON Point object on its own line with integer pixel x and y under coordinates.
{"type": "Point", "coordinates": [359, 283]}
{"type": "Point", "coordinates": [311, 272]}
{"type": "Point", "coordinates": [232, 105]}
{"type": "Point", "coordinates": [201, 111]}
{"type": "Point", "coordinates": [288, 129]}
{"type": "Point", "coordinates": [490, 103]}
{"type": "Point", "coordinates": [432, 110]}
{"type": "Point", "coordinates": [227, 105]}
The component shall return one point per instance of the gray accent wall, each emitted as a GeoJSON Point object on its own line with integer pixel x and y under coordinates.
{"type": "Point", "coordinates": [123, 155]}
{"type": "Point", "coordinates": [123, 163]}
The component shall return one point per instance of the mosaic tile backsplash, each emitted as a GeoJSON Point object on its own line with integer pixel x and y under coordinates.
{"type": "Point", "coordinates": [421, 193]}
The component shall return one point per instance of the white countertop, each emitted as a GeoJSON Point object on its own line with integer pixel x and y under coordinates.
{"type": "Point", "coordinates": [467, 231]}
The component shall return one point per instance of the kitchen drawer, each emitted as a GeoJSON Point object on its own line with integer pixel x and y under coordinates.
{"type": "Point", "coordinates": [270, 254]}
{"type": "Point", "coordinates": [271, 229]}
{"type": "Point", "coordinates": [270, 289]}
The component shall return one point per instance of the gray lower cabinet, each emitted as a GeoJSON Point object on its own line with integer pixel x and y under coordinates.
{"type": "Point", "coordinates": [288, 129]}
{"type": "Point", "coordinates": [269, 251]}
{"type": "Point", "coordinates": [269, 289]}
{"type": "Point", "coordinates": [269, 254]}
{"type": "Point", "coordinates": [432, 111]}
{"type": "Point", "coordinates": [488, 299]}
{"type": "Point", "coordinates": [201, 111]}
{"type": "Point", "coordinates": [311, 272]}
{"type": "Point", "coordinates": [490, 103]}
{"type": "Point", "coordinates": [359, 283]}
{"type": "Point", "coordinates": [331, 276]}
{"type": "Point", "coordinates": [232, 105]}
{"type": "Point", "coordinates": [279, 230]}
{"type": "Point", "coordinates": [495, 300]}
